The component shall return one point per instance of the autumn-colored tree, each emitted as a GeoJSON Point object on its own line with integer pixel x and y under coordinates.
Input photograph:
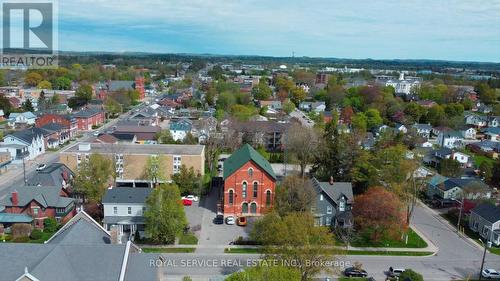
{"type": "Point", "coordinates": [379, 214]}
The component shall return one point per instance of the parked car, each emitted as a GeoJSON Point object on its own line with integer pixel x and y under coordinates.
{"type": "Point", "coordinates": [395, 272]}
{"type": "Point", "coordinates": [241, 221]}
{"type": "Point", "coordinates": [40, 167]}
{"type": "Point", "coordinates": [187, 202]}
{"type": "Point", "coordinates": [191, 197]}
{"type": "Point", "coordinates": [96, 133]}
{"type": "Point", "coordinates": [490, 273]}
{"type": "Point", "coordinates": [230, 220]}
{"type": "Point", "coordinates": [219, 219]}
{"type": "Point", "coordinates": [355, 272]}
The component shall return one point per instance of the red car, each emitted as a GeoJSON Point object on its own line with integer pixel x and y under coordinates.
{"type": "Point", "coordinates": [187, 202]}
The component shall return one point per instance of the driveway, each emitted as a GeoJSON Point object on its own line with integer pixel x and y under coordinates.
{"type": "Point", "coordinates": [213, 234]}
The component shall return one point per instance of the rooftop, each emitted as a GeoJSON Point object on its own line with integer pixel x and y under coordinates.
{"type": "Point", "coordinates": [146, 149]}
{"type": "Point", "coordinates": [126, 195]}
{"type": "Point", "coordinates": [243, 155]}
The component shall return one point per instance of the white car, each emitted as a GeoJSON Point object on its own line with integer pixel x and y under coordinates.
{"type": "Point", "coordinates": [191, 197]}
{"type": "Point", "coordinates": [40, 167]}
{"type": "Point", "coordinates": [96, 133]}
{"type": "Point", "coordinates": [490, 273]}
{"type": "Point", "coordinates": [230, 220]}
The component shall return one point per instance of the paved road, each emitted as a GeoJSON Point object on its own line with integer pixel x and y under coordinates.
{"type": "Point", "coordinates": [457, 257]}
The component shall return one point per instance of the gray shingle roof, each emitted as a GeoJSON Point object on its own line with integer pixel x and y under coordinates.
{"type": "Point", "coordinates": [488, 212]}
{"type": "Point", "coordinates": [335, 191]}
{"type": "Point", "coordinates": [126, 195]}
{"type": "Point", "coordinates": [28, 135]}
{"type": "Point", "coordinates": [116, 85]}
{"type": "Point", "coordinates": [86, 113]}
{"type": "Point", "coordinates": [46, 196]}
{"type": "Point", "coordinates": [53, 175]}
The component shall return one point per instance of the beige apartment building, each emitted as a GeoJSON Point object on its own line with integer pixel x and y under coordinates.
{"type": "Point", "coordinates": [131, 159]}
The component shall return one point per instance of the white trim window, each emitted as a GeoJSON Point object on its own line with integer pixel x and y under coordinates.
{"type": "Point", "coordinates": [177, 163]}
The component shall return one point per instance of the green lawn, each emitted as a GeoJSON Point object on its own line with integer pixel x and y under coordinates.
{"type": "Point", "coordinates": [168, 250]}
{"type": "Point", "coordinates": [188, 239]}
{"type": "Point", "coordinates": [242, 250]}
{"type": "Point", "coordinates": [44, 237]}
{"type": "Point", "coordinates": [414, 241]}
{"type": "Point", "coordinates": [388, 253]}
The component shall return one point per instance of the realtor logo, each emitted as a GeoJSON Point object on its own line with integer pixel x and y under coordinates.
{"type": "Point", "coordinates": [28, 34]}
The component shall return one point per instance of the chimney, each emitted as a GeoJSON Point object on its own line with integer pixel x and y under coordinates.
{"type": "Point", "coordinates": [15, 198]}
{"type": "Point", "coordinates": [331, 180]}
{"type": "Point", "coordinates": [115, 237]}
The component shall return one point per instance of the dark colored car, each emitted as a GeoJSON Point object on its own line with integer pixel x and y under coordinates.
{"type": "Point", "coordinates": [219, 219]}
{"type": "Point", "coordinates": [355, 272]}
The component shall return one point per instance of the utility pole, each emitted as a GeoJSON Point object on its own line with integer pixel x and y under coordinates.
{"type": "Point", "coordinates": [484, 256]}
{"type": "Point", "coordinates": [460, 214]}
{"type": "Point", "coordinates": [24, 170]}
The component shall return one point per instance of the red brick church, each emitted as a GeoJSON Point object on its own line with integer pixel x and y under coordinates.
{"type": "Point", "coordinates": [249, 183]}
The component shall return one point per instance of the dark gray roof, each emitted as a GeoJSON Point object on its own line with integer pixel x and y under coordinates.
{"type": "Point", "coordinates": [79, 251]}
{"type": "Point", "coordinates": [46, 196]}
{"type": "Point", "coordinates": [116, 85]}
{"type": "Point", "coordinates": [488, 212]}
{"type": "Point", "coordinates": [28, 135]}
{"type": "Point", "coordinates": [86, 113]}
{"type": "Point", "coordinates": [52, 175]}
{"type": "Point", "coordinates": [336, 190]}
{"type": "Point", "coordinates": [53, 127]}
{"type": "Point", "coordinates": [126, 195]}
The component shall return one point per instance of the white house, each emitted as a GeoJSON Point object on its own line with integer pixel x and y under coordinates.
{"type": "Point", "coordinates": [124, 207]}
{"type": "Point", "coordinates": [450, 139]}
{"type": "Point", "coordinates": [179, 129]}
{"type": "Point", "coordinates": [462, 158]}
{"type": "Point", "coordinates": [476, 120]}
{"type": "Point", "coordinates": [400, 128]}
{"type": "Point", "coordinates": [23, 118]}
{"type": "Point", "coordinates": [32, 138]}
{"type": "Point", "coordinates": [423, 130]}
{"type": "Point", "coordinates": [402, 85]}
{"type": "Point", "coordinates": [468, 133]}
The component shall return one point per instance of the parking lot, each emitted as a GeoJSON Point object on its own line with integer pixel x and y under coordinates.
{"type": "Point", "coordinates": [200, 217]}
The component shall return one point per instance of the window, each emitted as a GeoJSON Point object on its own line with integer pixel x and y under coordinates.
{"type": "Point", "coordinates": [231, 197]}
{"type": "Point", "coordinates": [143, 210]}
{"type": "Point", "coordinates": [244, 190]}
{"type": "Point", "coordinates": [250, 172]}
{"type": "Point", "coordinates": [329, 210]}
{"type": "Point", "coordinates": [342, 205]}
{"type": "Point", "coordinates": [253, 208]}
{"type": "Point", "coordinates": [321, 197]}
{"type": "Point", "coordinates": [268, 198]}
{"type": "Point", "coordinates": [129, 210]}
{"type": "Point", "coordinates": [177, 163]}
{"type": "Point", "coordinates": [35, 211]}
{"type": "Point", "coordinates": [244, 208]}
{"type": "Point", "coordinates": [115, 210]}
{"type": "Point", "coordinates": [255, 189]}
{"type": "Point", "coordinates": [328, 221]}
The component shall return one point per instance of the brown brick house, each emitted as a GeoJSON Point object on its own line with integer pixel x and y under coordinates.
{"type": "Point", "coordinates": [40, 202]}
{"type": "Point", "coordinates": [70, 124]}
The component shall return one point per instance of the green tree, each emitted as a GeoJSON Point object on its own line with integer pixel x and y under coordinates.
{"type": "Point", "coordinates": [165, 137]}
{"type": "Point", "coordinates": [450, 168]}
{"type": "Point", "coordinates": [486, 168]}
{"type": "Point", "coordinates": [243, 112]}
{"type": "Point", "coordinates": [44, 85]}
{"type": "Point", "coordinates": [360, 122]}
{"type": "Point", "coordinates": [295, 238]}
{"type": "Point", "coordinates": [210, 96]}
{"type": "Point", "coordinates": [50, 225]}
{"type": "Point", "coordinates": [93, 175]}
{"type": "Point", "coordinates": [62, 83]}
{"type": "Point", "coordinates": [266, 273]}
{"type": "Point", "coordinates": [297, 95]}
{"type": "Point", "coordinates": [414, 111]}
{"type": "Point", "coordinates": [28, 106]}
{"type": "Point", "coordinates": [373, 118]}
{"type": "Point", "coordinates": [486, 94]}
{"type": "Point", "coordinates": [217, 73]}
{"type": "Point", "coordinates": [288, 107]}
{"type": "Point", "coordinates": [226, 100]}
{"type": "Point", "coordinates": [410, 275]}
{"type": "Point", "coordinates": [188, 180]}
{"type": "Point", "coordinates": [112, 107]}
{"type": "Point", "coordinates": [155, 169]}
{"type": "Point", "coordinates": [165, 217]}
{"type": "Point", "coordinates": [133, 96]}
{"type": "Point", "coordinates": [84, 91]}
{"type": "Point", "coordinates": [262, 91]}
{"type": "Point", "coordinates": [436, 115]}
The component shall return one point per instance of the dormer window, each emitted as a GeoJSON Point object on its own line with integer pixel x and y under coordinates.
{"type": "Point", "coordinates": [342, 205]}
{"type": "Point", "coordinates": [250, 172]}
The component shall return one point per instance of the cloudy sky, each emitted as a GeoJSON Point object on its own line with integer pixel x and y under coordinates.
{"type": "Point", "coordinates": [408, 29]}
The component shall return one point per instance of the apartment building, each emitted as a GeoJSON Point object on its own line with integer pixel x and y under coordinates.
{"type": "Point", "coordinates": [131, 160]}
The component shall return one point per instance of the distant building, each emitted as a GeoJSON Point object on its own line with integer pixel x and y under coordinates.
{"type": "Point", "coordinates": [179, 129]}
{"type": "Point", "coordinates": [87, 118]}
{"type": "Point", "coordinates": [403, 85]}
{"type": "Point", "coordinates": [21, 119]}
